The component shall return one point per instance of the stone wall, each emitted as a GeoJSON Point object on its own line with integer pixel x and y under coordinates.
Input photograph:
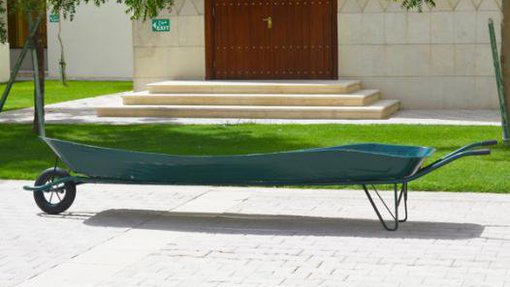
{"type": "Point", "coordinates": [98, 43]}
{"type": "Point", "coordinates": [438, 59]}
{"type": "Point", "coordinates": [178, 54]}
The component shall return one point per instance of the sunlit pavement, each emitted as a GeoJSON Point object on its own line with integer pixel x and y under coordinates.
{"type": "Point", "coordinates": [207, 236]}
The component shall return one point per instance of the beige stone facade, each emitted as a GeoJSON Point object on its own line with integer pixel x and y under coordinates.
{"type": "Point", "coordinates": [438, 59]}
{"type": "Point", "coordinates": [179, 54]}
{"type": "Point", "coordinates": [97, 43]}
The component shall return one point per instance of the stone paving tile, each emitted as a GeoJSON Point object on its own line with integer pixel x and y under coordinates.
{"type": "Point", "coordinates": [31, 242]}
{"type": "Point", "coordinates": [169, 236]}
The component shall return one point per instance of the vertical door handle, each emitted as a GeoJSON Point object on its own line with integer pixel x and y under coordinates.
{"type": "Point", "coordinates": [269, 22]}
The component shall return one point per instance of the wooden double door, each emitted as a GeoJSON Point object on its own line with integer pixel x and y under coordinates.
{"type": "Point", "coordinates": [271, 39]}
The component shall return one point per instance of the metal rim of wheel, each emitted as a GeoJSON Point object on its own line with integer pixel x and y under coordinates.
{"type": "Point", "coordinates": [55, 195]}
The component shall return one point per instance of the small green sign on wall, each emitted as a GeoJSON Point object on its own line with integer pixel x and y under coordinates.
{"type": "Point", "coordinates": [54, 18]}
{"type": "Point", "coordinates": [160, 25]}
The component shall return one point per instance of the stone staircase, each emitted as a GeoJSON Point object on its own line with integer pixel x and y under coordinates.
{"type": "Point", "coordinates": [254, 100]}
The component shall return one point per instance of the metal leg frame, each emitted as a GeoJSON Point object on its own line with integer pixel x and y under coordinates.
{"type": "Point", "coordinates": [398, 196]}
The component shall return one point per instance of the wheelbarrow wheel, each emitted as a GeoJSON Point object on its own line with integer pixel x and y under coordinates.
{"type": "Point", "coordinates": [57, 199]}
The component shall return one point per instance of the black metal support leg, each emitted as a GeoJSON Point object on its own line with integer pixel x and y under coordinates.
{"type": "Point", "coordinates": [398, 196]}
{"type": "Point", "coordinates": [403, 194]}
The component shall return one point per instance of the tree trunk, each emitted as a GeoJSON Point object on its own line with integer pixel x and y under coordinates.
{"type": "Point", "coordinates": [39, 46]}
{"type": "Point", "coordinates": [505, 53]}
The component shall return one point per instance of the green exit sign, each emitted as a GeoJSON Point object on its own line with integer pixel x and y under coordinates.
{"type": "Point", "coordinates": [54, 18]}
{"type": "Point", "coordinates": [160, 25]}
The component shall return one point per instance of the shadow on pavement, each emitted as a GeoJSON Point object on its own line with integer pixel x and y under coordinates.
{"type": "Point", "coordinates": [278, 225]}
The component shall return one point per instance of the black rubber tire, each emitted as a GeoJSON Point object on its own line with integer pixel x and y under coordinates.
{"type": "Point", "coordinates": [68, 197]}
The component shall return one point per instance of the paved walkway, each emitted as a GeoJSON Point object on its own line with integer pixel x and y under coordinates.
{"type": "Point", "coordinates": [206, 236]}
{"type": "Point", "coordinates": [83, 111]}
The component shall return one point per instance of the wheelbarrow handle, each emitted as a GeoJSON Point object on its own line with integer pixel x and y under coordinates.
{"type": "Point", "coordinates": [479, 144]}
{"type": "Point", "coordinates": [462, 152]}
{"type": "Point", "coordinates": [479, 152]}
{"type": "Point", "coordinates": [489, 143]}
{"type": "Point", "coordinates": [470, 147]}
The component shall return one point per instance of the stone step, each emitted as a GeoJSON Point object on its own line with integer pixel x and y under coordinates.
{"type": "Point", "coordinates": [255, 87]}
{"type": "Point", "coordinates": [379, 110]}
{"type": "Point", "coordinates": [358, 98]}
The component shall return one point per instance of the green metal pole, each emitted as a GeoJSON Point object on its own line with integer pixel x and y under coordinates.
{"type": "Point", "coordinates": [499, 82]}
{"type": "Point", "coordinates": [38, 95]}
{"type": "Point", "coordinates": [39, 105]}
{"type": "Point", "coordinates": [19, 62]}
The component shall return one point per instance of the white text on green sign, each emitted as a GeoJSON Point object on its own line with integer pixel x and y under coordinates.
{"type": "Point", "coordinates": [54, 18]}
{"type": "Point", "coordinates": [160, 25]}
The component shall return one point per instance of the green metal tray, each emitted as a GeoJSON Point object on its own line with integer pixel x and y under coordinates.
{"type": "Point", "coordinates": [349, 163]}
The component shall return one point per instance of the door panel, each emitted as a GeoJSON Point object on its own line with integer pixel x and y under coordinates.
{"type": "Point", "coordinates": [300, 43]}
{"type": "Point", "coordinates": [241, 49]}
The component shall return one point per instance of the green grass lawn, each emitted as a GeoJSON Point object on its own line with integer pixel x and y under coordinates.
{"type": "Point", "coordinates": [22, 93]}
{"type": "Point", "coordinates": [23, 156]}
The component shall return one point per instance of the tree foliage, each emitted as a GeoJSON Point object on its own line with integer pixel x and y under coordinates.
{"type": "Point", "coordinates": [416, 4]}
{"type": "Point", "coordinates": [138, 9]}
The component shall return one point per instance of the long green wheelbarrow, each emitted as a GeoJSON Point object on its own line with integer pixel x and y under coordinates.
{"type": "Point", "coordinates": [367, 165]}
